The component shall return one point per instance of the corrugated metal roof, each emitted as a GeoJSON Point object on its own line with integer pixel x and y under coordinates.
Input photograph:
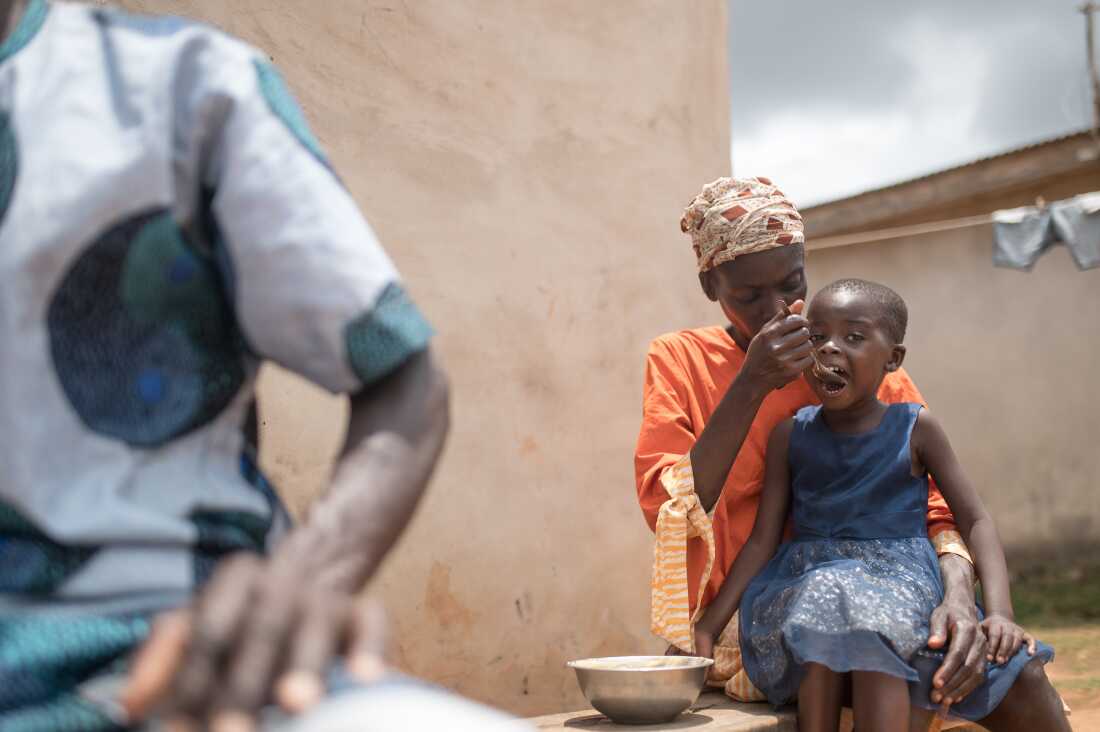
{"type": "Point", "coordinates": [1082, 134]}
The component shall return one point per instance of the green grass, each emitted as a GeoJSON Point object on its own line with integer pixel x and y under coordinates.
{"type": "Point", "coordinates": [1089, 684]}
{"type": "Point", "coordinates": [1077, 649]}
{"type": "Point", "coordinates": [1058, 593]}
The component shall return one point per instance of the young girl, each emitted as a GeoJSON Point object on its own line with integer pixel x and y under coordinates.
{"type": "Point", "coordinates": [853, 591]}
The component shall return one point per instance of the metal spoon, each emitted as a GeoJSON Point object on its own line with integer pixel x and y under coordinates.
{"type": "Point", "coordinates": [820, 371]}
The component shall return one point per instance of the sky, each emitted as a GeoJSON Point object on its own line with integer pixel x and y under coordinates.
{"type": "Point", "coordinates": [830, 99]}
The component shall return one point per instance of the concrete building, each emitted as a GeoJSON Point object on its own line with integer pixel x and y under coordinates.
{"type": "Point", "coordinates": [525, 163]}
{"type": "Point", "coordinates": [1006, 358]}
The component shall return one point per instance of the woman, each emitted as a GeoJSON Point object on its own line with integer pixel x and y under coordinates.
{"type": "Point", "coordinates": [712, 397]}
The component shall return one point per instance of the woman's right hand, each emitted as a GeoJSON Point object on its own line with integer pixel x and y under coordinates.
{"type": "Point", "coordinates": [780, 352]}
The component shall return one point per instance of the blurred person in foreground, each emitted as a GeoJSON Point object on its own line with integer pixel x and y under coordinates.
{"type": "Point", "coordinates": [167, 222]}
{"type": "Point", "coordinates": [712, 397]}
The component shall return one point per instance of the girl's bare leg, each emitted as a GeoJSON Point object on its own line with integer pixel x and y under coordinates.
{"type": "Point", "coordinates": [880, 702]}
{"type": "Point", "coordinates": [819, 698]}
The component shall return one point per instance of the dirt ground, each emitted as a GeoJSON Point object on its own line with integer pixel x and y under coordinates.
{"type": "Point", "coordinates": [1058, 598]}
{"type": "Point", "coordinates": [1076, 671]}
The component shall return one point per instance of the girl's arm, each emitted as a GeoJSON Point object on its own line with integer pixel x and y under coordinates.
{"type": "Point", "coordinates": [766, 533]}
{"type": "Point", "coordinates": [933, 451]}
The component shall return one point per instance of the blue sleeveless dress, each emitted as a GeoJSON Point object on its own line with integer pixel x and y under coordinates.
{"type": "Point", "coordinates": [855, 587]}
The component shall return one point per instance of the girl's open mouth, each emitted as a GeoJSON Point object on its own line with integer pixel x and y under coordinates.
{"type": "Point", "coordinates": [833, 378]}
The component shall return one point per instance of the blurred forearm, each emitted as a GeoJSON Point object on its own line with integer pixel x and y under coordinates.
{"type": "Point", "coordinates": [395, 434]}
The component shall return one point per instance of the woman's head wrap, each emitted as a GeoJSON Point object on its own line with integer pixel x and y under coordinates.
{"type": "Point", "coordinates": [735, 216]}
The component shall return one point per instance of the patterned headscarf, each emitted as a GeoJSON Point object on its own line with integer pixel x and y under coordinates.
{"type": "Point", "coordinates": [735, 216]}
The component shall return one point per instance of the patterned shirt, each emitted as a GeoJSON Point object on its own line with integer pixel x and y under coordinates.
{"type": "Point", "coordinates": [167, 221]}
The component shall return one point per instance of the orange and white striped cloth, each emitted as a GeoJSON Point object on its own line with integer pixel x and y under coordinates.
{"type": "Point", "coordinates": [682, 517]}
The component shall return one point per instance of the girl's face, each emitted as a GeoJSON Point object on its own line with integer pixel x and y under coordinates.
{"type": "Point", "coordinates": [849, 339]}
{"type": "Point", "coordinates": [750, 287]}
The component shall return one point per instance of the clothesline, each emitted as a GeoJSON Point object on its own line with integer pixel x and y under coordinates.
{"type": "Point", "coordinates": [897, 232]}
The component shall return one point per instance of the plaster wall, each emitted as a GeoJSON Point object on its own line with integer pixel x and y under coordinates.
{"type": "Point", "coordinates": [525, 163]}
{"type": "Point", "coordinates": [1006, 359]}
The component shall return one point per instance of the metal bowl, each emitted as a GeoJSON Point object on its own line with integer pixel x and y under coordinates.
{"type": "Point", "coordinates": [642, 689]}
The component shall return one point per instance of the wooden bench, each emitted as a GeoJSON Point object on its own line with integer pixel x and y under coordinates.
{"type": "Point", "coordinates": [714, 712]}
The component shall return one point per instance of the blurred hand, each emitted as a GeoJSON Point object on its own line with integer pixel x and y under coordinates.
{"type": "Point", "coordinates": [261, 631]}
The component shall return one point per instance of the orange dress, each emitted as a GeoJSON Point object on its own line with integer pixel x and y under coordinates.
{"type": "Point", "coordinates": [687, 374]}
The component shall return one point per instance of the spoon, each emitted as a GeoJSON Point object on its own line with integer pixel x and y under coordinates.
{"type": "Point", "coordinates": [822, 372]}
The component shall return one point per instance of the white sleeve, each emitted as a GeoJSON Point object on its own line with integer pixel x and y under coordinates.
{"type": "Point", "coordinates": [311, 287]}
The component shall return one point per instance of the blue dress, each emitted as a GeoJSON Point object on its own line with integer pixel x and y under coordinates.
{"type": "Point", "coordinates": [855, 587]}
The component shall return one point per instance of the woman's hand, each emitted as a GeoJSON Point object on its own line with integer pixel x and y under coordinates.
{"type": "Point", "coordinates": [781, 351]}
{"type": "Point", "coordinates": [1005, 638]}
{"type": "Point", "coordinates": [955, 627]}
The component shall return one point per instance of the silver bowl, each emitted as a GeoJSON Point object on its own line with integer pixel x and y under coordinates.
{"type": "Point", "coordinates": [642, 689]}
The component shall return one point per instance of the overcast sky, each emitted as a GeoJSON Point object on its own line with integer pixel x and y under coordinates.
{"type": "Point", "coordinates": [834, 98]}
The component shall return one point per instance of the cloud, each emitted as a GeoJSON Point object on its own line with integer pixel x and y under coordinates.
{"type": "Point", "coordinates": [831, 99]}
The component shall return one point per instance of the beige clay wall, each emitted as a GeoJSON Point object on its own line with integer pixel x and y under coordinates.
{"type": "Point", "coordinates": [525, 162]}
{"type": "Point", "coordinates": [1008, 360]}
